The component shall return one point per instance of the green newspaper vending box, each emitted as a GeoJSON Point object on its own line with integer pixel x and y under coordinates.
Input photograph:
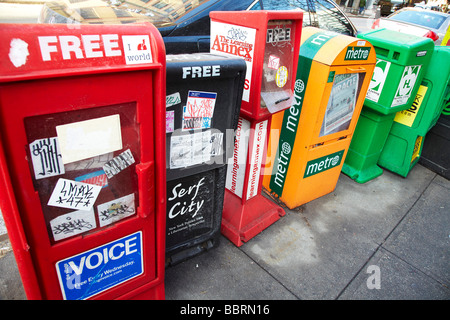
{"type": "Point", "coordinates": [402, 60]}
{"type": "Point", "coordinates": [404, 144]}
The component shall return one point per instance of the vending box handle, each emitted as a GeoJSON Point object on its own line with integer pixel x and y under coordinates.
{"type": "Point", "coordinates": [146, 175]}
{"type": "Point", "coordinates": [356, 69]}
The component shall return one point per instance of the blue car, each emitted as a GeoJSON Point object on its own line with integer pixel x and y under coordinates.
{"type": "Point", "coordinates": [185, 24]}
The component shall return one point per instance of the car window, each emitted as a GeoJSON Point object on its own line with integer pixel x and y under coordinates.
{"type": "Point", "coordinates": [426, 19]}
{"type": "Point", "coordinates": [318, 13]}
{"type": "Point", "coordinates": [256, 5]}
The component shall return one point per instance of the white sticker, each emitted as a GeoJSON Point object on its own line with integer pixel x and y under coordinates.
{"type": "Point", "coordinates": [234, 40]}
{"type": "Point", "coordinates": [376, 84]}
{"type": "Point", "coordinates": [190, 149]}
{"type": "Point", "coordinates": [18, 52]}
{"type": "Point", "coordinates": [72, 223]}
{"type": "Point", "coordinates": [137, 49]}
{"type": "Point", "coordinates": [180, 151]}
{"type": "Point", "coordinates": [173, 99]}
{"type": "Point", "coordinates": [89, 138]}
{"type": "Point", "coordinates": [117, 164]}
{"type": "Point", "coordinates": [259, 141]}
{"type": "Point", "coordinates": [216, 144]}
{"type": "Point", "coordinates": [116, 210]}
{"type": "Point", "coordinates": [274, 62]}
{"type": "Point", "coordinates": [91, 163]}
{"type": "Point", "coordinates": [406, 85]}
{"type": "Point", "coordinates": [170, 121]}
{"type": "Point", "coordinates": [199, 110]}
{"type": "Point", "coordinates": [236, 169]}
{"type": "Point", "coordinates": [74, 195]}
{"type": "Point", "coordinates": [46, 158]}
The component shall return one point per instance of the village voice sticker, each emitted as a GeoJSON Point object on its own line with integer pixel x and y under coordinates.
{"type": "Point", "coordinates": [92, 272]}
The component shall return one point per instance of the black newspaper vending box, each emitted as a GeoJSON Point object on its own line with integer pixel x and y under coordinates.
{"type": "Point", "coordinates": [203, 100]}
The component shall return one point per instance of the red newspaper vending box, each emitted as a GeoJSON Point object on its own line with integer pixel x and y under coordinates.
{"type": "Point", "coordinates": [269, 42]}
{"type": "Point", "coordinates": [82, 161]}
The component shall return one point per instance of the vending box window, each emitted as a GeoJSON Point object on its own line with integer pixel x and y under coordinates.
{"type": "Point", "coordinates": [269, 42]}
{"type": "Point", "coordinates": [315, 132]}
{"type": "Point", "coordinates": [82, 159]}
{"type": "Point", "coordinates": [204, 93]}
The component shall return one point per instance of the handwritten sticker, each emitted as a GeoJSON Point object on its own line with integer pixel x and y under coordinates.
{"type": "Point", "coordinates": [274, 62]}
{"type": "Point", "coordinates": [46, 158]}
{"type": "Point", "coordinates": [72, 223]}
{"type": "Point", "coordinates": [199, 109]}
{"type": "Point", "coordinates": [170, 119]}
{"type": "Point", "coordinates": [89, 138]}
{"type": "Point", "coordinates": [116, 210]}
{"type": "Point", "coordinates": [190, 149]}
{"type": "Point", "coordinates": [96, 162]}
{"type": "Point", "coordinates": [117, 164]}
{"type": "Point", "coordinates": [74, 195]}
{"type": "Point", "coordinates": [173, 99]}
{"type": "Point", "coordinates": [97, 178]}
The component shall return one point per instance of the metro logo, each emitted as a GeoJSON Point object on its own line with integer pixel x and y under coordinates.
{"type": "Point", "coordinates": [323, 164]}
{"type": "Point", "coordinates": [357, 53]}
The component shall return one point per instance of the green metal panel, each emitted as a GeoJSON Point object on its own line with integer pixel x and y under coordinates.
{"type": "Point", "coordinates": [405, 140]}
{"type": "Point", "coordinates": [402, 61]}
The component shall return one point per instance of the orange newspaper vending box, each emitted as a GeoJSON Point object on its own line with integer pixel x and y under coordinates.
{"type": "Point", "coordinates": [315, 132]}
{"type": "Point", "coordinates": [82, 174]}
{"type": "Point", "coordinates": [269, 42]}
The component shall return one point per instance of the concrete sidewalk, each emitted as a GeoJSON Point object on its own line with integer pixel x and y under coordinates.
{"type": "Point", "coordinates": [386, 239]}
{"type": "Point", "coordinates": [324, 249]}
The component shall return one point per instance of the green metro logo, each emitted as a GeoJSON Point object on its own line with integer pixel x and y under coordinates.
{"type": "Point", "coordinates": [323, 163]}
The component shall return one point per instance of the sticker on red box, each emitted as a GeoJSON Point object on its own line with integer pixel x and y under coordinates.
{"type": "Point", "coordinates": [97, 178]}
{"type": "Point", "coordinates": [137, 49]}
{"type": "Point", "coordinates": [116, 210]}
{"type": "Point", "coordinates": [74, 195]}
{"type": "Point", "coordinates": [119, 163]}
{"type": "Point", "coordinates": [46, 158]}
{"type": "Point", "coordinates": [274, 62]}
{"type": "Point", "coordinates": [72, 223]}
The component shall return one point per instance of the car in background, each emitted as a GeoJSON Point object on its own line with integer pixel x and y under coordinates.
{"type": "Point", "coordinates": [185, 24]}
{"type": "Point", "coordinates": [417, 21]}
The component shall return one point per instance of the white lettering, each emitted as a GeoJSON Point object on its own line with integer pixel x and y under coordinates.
{"type": "Point", "coordinates": [90, 46]}
{"type": "Point", "coordinates": [97, 258]}
{"type": "Point", "coordinates": [110, 43]}
{"type": "Point", "coordinates": [69, 46]}
{"type": "Point", "coordinates": [186, 207]}
{"type": "Point", "coordinates": [46, 48]}
{"type": "Point", "coordinates": [374, 280]}
{"type": "Point", "coordinates": [201, 71]}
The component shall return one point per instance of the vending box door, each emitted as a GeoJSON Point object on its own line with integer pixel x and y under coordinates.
{"type": "Point", "coordinates": [316, 131]}
{"type": "Point", "coordinates": [269, 43]}
{"type": "Point", "coordinates": [83, 144]}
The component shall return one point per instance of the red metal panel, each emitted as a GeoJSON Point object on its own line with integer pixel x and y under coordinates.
{"type": "Point", "coordinates": [53, 76]}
